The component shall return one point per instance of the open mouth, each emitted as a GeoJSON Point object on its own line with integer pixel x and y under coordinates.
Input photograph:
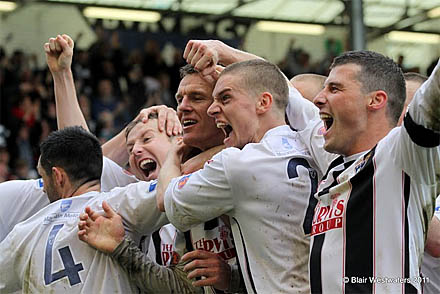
{"type": "Point", "coordinates": [188, 122]}
{"type": "Point", "coordinates": [148, 166]}
{"type": "Point", "coordinates": [327, 119]}
{"type": "Point", "coordinates": [227, 129]}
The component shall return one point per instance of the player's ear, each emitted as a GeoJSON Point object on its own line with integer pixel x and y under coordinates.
{"type": "Point", "coordinates": [377, 100]}
{"type": "Point", "coordinates": [58, 176]}
{"type": "Point", "coordinates": [264, 102]}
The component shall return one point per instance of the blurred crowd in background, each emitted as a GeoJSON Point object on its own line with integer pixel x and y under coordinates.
{"type": "Point", "coordinates": [112, 85]}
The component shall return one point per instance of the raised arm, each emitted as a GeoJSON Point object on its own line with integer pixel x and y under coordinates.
{"type": "Point", "coordinates": [106, 233]}
{"type": "Point", "coordinates": [59, 52]}
{"type": "Point", "coordinates": [205, 55]}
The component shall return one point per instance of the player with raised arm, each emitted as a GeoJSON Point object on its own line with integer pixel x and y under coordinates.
{"type": "Point", "coordinates": [249, 103]}
{"type": "Point", "coordinates": [43, 253]}
{"type": "Point", "coordinates": [376, 199]}
{"type": "Point", "coordinates": [213, 239]}
{"type": "Point", "coordinates": [193, 90]}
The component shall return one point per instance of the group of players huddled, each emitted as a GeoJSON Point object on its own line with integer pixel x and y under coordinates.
{"type": "Point", "coordinates": [257, 184]}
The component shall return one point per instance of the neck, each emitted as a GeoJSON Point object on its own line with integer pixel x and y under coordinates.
{"type": "Point", "coordinates": [267, 125]}
{"type": "Point", "coordinates": [89, 186]}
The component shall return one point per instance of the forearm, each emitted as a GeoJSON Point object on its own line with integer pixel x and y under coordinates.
{"type": "Point", "coordinates": [67, 106]}
{"type": "Point", "coordinates": [424, 110]}
{"type": "Point", "coordinates": [148, 275]}
{"type": "Point", "coordinates": [169, 171]}
{"type": "Point", "coordinates": [115, 149]}
{"type": "Point", "coordinates": [433, 239]}
{"type": "Point", "coordinates": [229, 55]}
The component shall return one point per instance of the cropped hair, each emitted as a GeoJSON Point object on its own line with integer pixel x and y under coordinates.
{"type": "Point", "coordinates": [75, 150]}
{"type": "Point", "coordinates": [260, 76]}
{"type": "Point", "coordinates": [133, 123]}
{"type": "Point", "coordinates": [186, 70]}
{"type": "Point", "coordinates": [378, 73]}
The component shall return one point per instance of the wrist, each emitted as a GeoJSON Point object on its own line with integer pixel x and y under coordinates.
{"type": "Point", "coordinates": [60, 74]}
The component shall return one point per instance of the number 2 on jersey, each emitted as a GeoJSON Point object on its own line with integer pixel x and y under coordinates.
{"type": "Point", "coordinates": [70, 268]}
{"type": "Point", "coordinates": [293, 173]}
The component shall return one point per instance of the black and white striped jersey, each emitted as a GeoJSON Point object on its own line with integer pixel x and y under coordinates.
{"type": "Point", "coordinates": [370, 223]}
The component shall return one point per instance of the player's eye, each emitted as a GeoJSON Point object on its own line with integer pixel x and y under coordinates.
{"type": "Point", "coordinates": [225, 98]}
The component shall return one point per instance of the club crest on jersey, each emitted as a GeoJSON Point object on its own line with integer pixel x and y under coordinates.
{"type": "Point", "coordinates": [40, 183]}
{"type": "Point", "coordinates": [183, 181]}
{"type": "Point", "coordinates": [362, 163]}
{"type": "Point", "coordinates": [152, 186]}
{"type": "Point", "coordinates": [328, 217]}
{"type": "Point", "coordinates": [65, 205]}
{"type": "Point", "coordinates": [286, 143]}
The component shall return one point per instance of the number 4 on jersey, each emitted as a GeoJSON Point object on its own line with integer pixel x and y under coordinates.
{"type": "Point", "coordinates": [70, 268]}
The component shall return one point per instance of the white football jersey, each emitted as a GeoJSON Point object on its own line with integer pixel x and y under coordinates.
{"type": "Point", "coordinates": [370, 222]}
{"type": "Point", "coordinates": [168, 244]}
{"type": "Point", "coordinates": [267, 191]}
{"type": "Point", "coordinates": [431, 265]}
{"type": "Point", "coordinates": [28, 196]}
{"type": "Point", "coordinates": [43, 254]}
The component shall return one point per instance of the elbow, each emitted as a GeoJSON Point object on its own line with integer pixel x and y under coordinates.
{"type": "Point", "coordinates": [433, 248]}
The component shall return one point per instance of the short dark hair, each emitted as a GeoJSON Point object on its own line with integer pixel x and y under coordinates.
{"type": "Point", "coordinates": [186, 70]}
{"type": "Point", "coordinates": [378, 73]}
{"type": "Point", "coordinates": [415, 77]}
{"type": "Point", "coordinates": [75, 150]}
{"type": "Point", "coordinates": [259, 76]}
{"type": "Point", "coordinates": [133, 123]}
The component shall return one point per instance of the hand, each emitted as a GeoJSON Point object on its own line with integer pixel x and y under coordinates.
{"type": "Point", "coordinates": [203, 55]}
{"type": "Point", "coordinates": [104, 233]}
{"type": "Point", "coordinates": [216, 271]}
{"type": "Point", "coordinates": [59, 52]}
{"type": "Point", "coordinates": [166, 117]}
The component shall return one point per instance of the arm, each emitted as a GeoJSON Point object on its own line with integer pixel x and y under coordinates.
{"type": "Point", "coordinates": [106, 233]}
{"type": "Point", "coordinates": [433, 239]}
{"type": "Point", "coordinates": [148, 275]}
{"type": "Point", "coordinates": [169, 170]}
{"type": "Point", "coordinates": [204, 55]}
{"type": "Point", "coordinates": [419, 140]}
{"type": "Point", "coordinates": [59, 53]}
{"type": "Point", "coordinates": [201, 196]}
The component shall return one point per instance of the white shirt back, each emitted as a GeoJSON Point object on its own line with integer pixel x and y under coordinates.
{"type": "Point", "coordinates": [44, 253]}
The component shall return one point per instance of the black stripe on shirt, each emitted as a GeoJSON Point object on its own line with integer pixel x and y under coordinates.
{"type": "Point", "coordinates": [409, 288]}
{"type": "Point", "coordinates": [245, 257]}
{"type": "Point", "coordinates": [315, 264]}
{"type": "Point", "coordinates": [157, 243]}
{"type": "Point", "coordinates": [419, 134]}
{"type": "Point", "coordinates": [359, 229]}
{"type": "Point", "coordinates": [335, 175]}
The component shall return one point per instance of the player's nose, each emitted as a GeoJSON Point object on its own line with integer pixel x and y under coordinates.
{"type": "Point", "coordinates": [213, 109]}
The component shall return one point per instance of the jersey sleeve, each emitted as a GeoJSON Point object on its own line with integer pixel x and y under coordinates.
{"type": "Point", "coordinates": [28, 194]}
{"type": "Point", "coordinates": [136, 203]}
{"type": "Point", "coordinates": [114, 176]}
{"type": "Point", "coordinates": [416, 147]}
{"type": "Point", "coordinates": [148, 275]}
{"type": "Point", "coordinates": [201, 196]}
{"type": "Point", "coordinates": [300, 111]}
